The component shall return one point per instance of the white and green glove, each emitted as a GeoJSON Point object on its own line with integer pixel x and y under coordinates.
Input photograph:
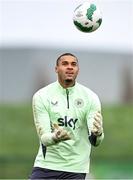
{"type": "Point", "coordinates": [97, 129]}
{"type": "Point", "coordinates": [97, 134]}
{"type": "Point", "coordinates": [58, 134]}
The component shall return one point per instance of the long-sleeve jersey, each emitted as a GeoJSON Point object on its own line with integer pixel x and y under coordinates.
{"type": "Point", "coordinates": [73, 109]}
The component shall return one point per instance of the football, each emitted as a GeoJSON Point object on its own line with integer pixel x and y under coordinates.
{"type": "Point", "coordinates": [87, 17]}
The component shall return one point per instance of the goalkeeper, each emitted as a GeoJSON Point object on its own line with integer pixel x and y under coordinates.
{"type": "Point", "coordinates": [68, 120]}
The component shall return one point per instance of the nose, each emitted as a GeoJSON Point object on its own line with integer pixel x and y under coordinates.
{"type": "Point", "coordinates": [69, 66]}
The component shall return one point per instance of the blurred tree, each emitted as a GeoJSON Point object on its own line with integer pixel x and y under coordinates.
{"type": "Point", "coordinates": [127, 83]}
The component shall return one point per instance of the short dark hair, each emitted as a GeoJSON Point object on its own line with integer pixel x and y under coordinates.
{"type": "Point", "coordinates": [65, 54]}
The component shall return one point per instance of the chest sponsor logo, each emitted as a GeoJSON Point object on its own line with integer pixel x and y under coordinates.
{"type": "Point", "coordinates": [67, 122]}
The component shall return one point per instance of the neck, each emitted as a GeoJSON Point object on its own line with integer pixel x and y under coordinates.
{"type": "Point", "coordinates": [67, 83]}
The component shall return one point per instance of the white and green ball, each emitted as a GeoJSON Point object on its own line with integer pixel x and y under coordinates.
{"type": "Point", "coordinates": [87, 17]}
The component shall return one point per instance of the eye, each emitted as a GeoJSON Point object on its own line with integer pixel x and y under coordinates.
{"type": "Point", "coordinates": [64, 63]}
{"type": "Point", "coordinates": [74, 64]}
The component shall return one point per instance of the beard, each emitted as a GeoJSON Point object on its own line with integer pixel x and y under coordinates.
{"type": "Point", "coordinates": [67, 81]}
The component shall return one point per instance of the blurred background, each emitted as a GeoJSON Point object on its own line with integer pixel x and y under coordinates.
{"type": "Point", "coordinates": [33, 33]}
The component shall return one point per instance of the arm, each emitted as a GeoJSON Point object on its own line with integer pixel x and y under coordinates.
{"type": "Point", "coordinates": [94, 122]}
{"type": "Point", "coordinates": [42, 120]}
{"type": "Point", "coordinates": [48, 133]}
{"type": "Point", "coordinates": [97, 134]}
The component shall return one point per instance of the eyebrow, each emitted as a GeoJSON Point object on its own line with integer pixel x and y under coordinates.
{"type": "Point", "coordinates": [73, 62]}
{"type": "Point", "coordinates": [62, 58]}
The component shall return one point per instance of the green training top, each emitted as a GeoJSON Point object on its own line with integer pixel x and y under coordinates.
{"type": "Point", "coordinates": [73, 109]}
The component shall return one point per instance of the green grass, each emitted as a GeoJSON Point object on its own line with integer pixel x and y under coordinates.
{"type": "Point", "coordinates": [112, 169]}
{"type": "Point", "coordinates": [118, 123]}
{"type": "Point", "coordinates": [19, 142]}
{"type": "Point", "coordinates": [18, 134]}
{"type": "Point", "coordinates": [15, 167]}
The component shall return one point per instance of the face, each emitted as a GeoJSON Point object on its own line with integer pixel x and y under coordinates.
{"type": "Point", "coordinates": [67, 69]}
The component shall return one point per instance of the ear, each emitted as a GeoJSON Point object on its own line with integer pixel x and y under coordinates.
{"type": "Point", "coordinates": [56, 69]}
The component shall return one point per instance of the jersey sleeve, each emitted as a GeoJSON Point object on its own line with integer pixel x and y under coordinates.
{"type": "Point", "coordinates": [42, 120]}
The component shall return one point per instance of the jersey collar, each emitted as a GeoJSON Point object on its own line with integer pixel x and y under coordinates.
{"type": "Point", "coordinates": [63, 90]}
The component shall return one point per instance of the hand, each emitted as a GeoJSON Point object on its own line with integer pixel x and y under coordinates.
{"type": "Point", "coordinates": [60, 134]}
{"type": "Point", "coordinates": [97, 124]}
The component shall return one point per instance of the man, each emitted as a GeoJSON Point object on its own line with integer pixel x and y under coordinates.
{"type": "Point", "coordinates": [68, 120]}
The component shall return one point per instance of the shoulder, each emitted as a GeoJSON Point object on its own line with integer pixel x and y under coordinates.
{"type": "Point", "coordinates": [87, 92]}
{"type": "Point", "coordinates": [43, 92]}
{"type": "Point", "coordinates": [90, 96]}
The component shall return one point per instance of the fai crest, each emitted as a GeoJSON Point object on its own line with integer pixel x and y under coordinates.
{"type": "Point", "coordinates": [79, 103]}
